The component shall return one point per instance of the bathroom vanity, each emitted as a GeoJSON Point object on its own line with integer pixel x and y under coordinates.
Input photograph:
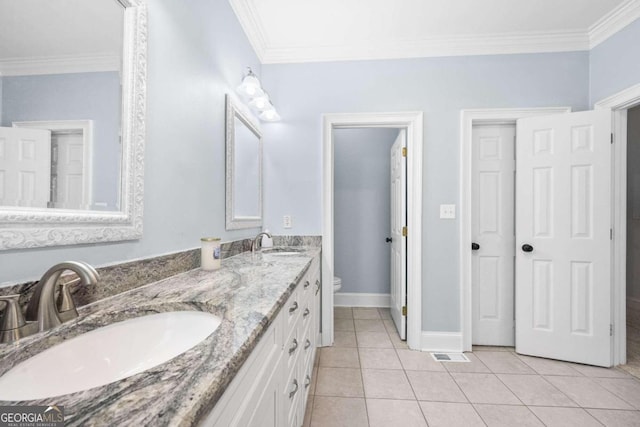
{"type": "Point", "coordinates": [254, 369]}
{"type": "Point", "coordinates": [272, 387]}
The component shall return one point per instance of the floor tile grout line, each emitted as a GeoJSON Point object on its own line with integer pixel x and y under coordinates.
{"type": "Point", "coordinates": [616, 394]}
{"type": "Point", "coordinates": [518, 397]}
{"type": "Point", "coordinates": [395, 349]}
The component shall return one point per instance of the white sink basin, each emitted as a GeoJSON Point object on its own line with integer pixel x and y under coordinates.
{"type": "Point", "coordinates": [107, 354]}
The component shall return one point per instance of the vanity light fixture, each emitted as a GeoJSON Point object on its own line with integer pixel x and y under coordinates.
{"type": "Point", "coordinates": [270, 115]}
{"type": "Point", "coordinates": [257, 98]}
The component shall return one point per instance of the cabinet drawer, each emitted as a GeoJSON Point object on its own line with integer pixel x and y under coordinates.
{"type": "Point", "coordinates": [293, 390]}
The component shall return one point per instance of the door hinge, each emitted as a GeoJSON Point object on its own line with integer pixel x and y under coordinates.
{"type": "Point", "coordinates": [404, 151]}
{"type": "Point", "coordinates": [612, 138]}
{"type": "Point", "coordinates": [611, 234]}
{"type": "Point", "coordinates": [404, 310]}
{"type": "Point", "coordinates": [610, 330]}
{"type": "Point", "coordinates": [404, 231]}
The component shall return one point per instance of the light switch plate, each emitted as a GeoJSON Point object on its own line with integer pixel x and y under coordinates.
{"type": "Point", "coordinates": [286, 221]}
{"type": "Point", "coordinates": [447, 211]}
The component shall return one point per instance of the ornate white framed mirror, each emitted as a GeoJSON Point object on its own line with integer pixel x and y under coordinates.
{"type": "Point", "coordinates": [72, 121]}
{"type": "Point", "coordinates": [243, 168]}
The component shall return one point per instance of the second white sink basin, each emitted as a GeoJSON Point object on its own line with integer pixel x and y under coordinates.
{"type": "Point", "coordinates": [107, 354]}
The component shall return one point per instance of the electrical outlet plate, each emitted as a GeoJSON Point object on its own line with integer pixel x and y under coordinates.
{"type": "Point", "coordinates": [286, 221]}
{"type": "Point", "coordinates": [447, 211]}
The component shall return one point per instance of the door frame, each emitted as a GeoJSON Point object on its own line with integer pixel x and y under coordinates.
{"type": "Point", "coordinates": [619, 103]}
{"type": "Point", "coordinates": [469, 118]}
{"type": "Point", "coordinates": [413, 123]}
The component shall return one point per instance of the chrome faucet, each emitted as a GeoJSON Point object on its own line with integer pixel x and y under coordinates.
{"type": "Point", "coordinates": [43, 306]}
{"type": "Point", "coordinates": [254, 243]}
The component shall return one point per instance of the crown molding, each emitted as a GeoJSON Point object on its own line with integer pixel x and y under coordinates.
{"type": "Point", "coordinates": [493, 44]}
{"type": "Point", "coordinates": [251, 25]}
{"type": "Point", "coordinates": [59, 65]}
{"type": "Point", "coordinates": [614, 21]}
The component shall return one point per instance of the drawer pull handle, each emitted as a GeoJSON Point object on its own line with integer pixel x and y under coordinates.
{"type": "Point", "coordinates": [294, 346]}
{"type": "Point", "coordinates": [306, 312]}
{"type": "Point", "coordinates": [295, 389]}
{"type": "Point", "coordinates": [307, 381]}
{"type": "Point", "coordinates": [307, 344]}
{"type": "Point", "coordinates": [306, 284]}
{"type": "Point", "coordinates": [294, 307]}
{"type": "Point", "coordinates": [317, 286]}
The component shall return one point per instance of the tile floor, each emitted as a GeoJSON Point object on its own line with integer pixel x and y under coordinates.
{"type": "Point", "coordinates": [370, 378]}
{"type": "Point", "coordinates": [633, 342]}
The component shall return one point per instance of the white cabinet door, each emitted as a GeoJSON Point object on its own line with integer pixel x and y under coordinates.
{"type": "Point", "coordinates": [398, 241]}
{"type": "Point", "coordinates": [493, 232]}
{"type": "Point", "coordinates": [267, 412]}
{"type": "Point", "coordinates": [563, 214]}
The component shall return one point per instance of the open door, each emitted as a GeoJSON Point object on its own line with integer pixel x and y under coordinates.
{"type": "Point", "coordinates": [563, 246]}
{"type": "Point", "coordinates": [398, 234]}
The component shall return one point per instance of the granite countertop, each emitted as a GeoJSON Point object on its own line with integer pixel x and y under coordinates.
{"type": "Point", "coordinates": [246, 293]}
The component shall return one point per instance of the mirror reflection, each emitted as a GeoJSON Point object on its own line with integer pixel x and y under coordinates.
{"type": "Point", "coordinates": [60, 103]}
{"type": "Point", "coordinates": [244, 169]}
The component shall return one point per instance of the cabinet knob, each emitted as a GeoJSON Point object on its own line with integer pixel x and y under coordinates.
{"type": "Point", "coordinates": [307, 381]}
{"type": "Point", "coordinates": [294, 307]}
{"type": "Point", "coordinates": [306, 312]}
{"type": "Point", "coordinates": [307, 344]}
{"type": "Point", "coordinates": [306, 284]}
{"type": "Point", "coordinates": [295, 389]}
{"type": "Point", "coordinates": [294, 346]}
{"type": "Point", "coordinates": [317, 286]}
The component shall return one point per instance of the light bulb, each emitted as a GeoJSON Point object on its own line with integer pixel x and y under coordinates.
{"type": "Point", "coordinates": [261, 103]}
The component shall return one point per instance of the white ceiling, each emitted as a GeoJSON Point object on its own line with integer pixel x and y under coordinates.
{"type": "Point", "coordinates": [305, 30]}
{"type": "Point", "coordinates": [35, 30]}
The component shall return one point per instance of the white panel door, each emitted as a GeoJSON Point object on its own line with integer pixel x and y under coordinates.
{"type": "Point", "coordinates": [563, 214]}
{"type": "Point", "coordinates": [70, 191]}
{"type": "Point", "coordinates": [398, 241]}
{"type": "Point", "coordinates": [25, 167]}
{"type": "Point", "coordinates": [493, 235]}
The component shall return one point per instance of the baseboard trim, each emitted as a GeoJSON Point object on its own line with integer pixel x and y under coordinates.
{"type": "Point", "coordinates": [350, 299]}
{"type": "Point", "coordinates": [441, 341]}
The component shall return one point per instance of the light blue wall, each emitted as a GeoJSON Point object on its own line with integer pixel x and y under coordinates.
{"type": "Point", "coordinates": [77, 96]}
{"type": "Point", "coordinates": [615, 63]}
{"type": "Point", "coordinates": [362, 213]}
{"type": "Point", "coordinates": [197, 53]}
{"type": "Point", "coordinates": [440, 87]}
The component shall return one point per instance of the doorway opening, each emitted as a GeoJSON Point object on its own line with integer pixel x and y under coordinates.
{"type": "Point", "coordinates": [412, 124]}
{"type": "Point", "coordinates": [633, 242]}
{"type": "Point", "coordinates": [620, 104]}
{"type": "Point", "coordinates": [362, 215]}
